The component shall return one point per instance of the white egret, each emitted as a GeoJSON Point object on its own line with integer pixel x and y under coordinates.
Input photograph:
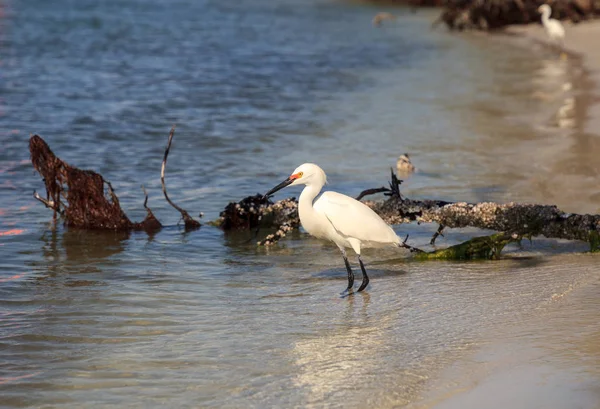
{"type": "Point", "coordinates": [339, 218]}
{"type": "Point", "coordinates": [554, 28]}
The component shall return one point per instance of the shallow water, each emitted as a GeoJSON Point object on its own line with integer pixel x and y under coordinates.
{"type": "Point", "coordinates": [205, 319]}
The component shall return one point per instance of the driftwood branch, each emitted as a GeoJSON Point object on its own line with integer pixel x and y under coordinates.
{"type": "Point", "coordinates": [512, 218]}
{"type": "Point", "coordinates": [88, 207]}
{"type": "Point", "coordinates": [392, 190]}
{"type": "Point", "coordinates": [190, 223]}
{"type": "Point", "coordinates": [368, 192]}
{"type": "Point", "coordinates": [411, 248]}
{"type": "Point", "coordinates": [487, 247]}
{"type": "Point", "coordinates": [91, 201]}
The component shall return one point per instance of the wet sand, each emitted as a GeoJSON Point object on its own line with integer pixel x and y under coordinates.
{"type": "Point", "coordinates": [551, 360]}
{"type": "Point", "coordinates": [565, 168]}
{"type": "Point", "coordinates": [581, 41]}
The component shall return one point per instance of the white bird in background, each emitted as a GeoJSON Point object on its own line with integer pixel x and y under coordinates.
{"type": "Point", "coordinates": [554, 28]}
{"type": "Point", "coordinates": [339, 218]}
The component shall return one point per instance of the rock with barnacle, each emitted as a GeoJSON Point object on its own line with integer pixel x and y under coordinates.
{"type": "Point", "coordinates": [253, 211]}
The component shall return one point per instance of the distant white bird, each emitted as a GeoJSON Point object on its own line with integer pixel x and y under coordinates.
{"type": "Point", "coordinates": [339, 218]}
{"type": "Point", "coordinates": [554, 28]}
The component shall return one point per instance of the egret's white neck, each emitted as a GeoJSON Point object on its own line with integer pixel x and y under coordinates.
{"type": "Point", "coordinates": [305, 205]}
{"type": "Point", "coordinates": [310, 219]}
{"type": "Point", "coordinates": [308, 195]}
{"type": "Point", "coordinates": [546, 15]}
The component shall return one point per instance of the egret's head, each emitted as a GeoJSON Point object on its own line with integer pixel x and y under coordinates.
{"type": "Point", "coordinates": [305, 174]}
{"type": "Point", "coordinates": [545, 9]}
{"type": "Point", "coordinates": [308, 173]}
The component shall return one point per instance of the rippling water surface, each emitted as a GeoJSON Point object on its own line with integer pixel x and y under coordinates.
{"type": "Point", "coordinates": [206, 319]}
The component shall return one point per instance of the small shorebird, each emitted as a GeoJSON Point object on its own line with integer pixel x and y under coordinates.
{"type": "Point", "coordinates": [380, 17]}
{"type": "Point", "coordinates": [338, 218]}
{"type": "Point", "coordinates": [404, 165]}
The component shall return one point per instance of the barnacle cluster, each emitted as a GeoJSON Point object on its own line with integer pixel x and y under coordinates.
{"type": "Point", "coordinates": [255, 211]}
{"type": "Point", "coordinates": [245, 214]}
{"type": "Point", "coordinates": [284, 215]}
{"type": "Point", "coordinates": [275, 237]}
{"type": "Point", "coordinates": [389, 214]}
{"type": "Point", "coordinates": [284, 211]}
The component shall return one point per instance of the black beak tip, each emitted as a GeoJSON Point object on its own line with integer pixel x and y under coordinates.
{"type": "Point", "coordinates": [277, 188]}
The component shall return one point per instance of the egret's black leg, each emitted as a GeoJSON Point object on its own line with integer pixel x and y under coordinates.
{"type": "Point", "coordinates": [365, 280]}
{"type": "Point", "coordinates": [350, 274]}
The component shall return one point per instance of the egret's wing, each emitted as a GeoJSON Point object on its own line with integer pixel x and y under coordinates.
{"type": "Point", "coordinates": [555, 29]}
{"type": "Point", "coordinates": [352, 218]}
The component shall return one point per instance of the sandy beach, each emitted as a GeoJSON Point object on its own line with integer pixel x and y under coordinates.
{"type": "Point", "coordinates": [552, 360]}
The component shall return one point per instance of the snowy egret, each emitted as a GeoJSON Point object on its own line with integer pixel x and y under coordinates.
{"type": "Point", "coordinates": [338, 218]}
{"type": "Point", "coordinates": [554, 28]}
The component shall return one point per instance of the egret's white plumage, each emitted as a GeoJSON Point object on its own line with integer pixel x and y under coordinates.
{"type": "Point", "coordinates": [352, 219]}
{"type": "Point", "coordinates": [337, 217]}
{"type": "Point", "coordinates": [554, 28]}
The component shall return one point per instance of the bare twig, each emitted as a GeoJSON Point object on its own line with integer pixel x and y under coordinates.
{"type": "Point", "coordinates": [190, 223]}
{"type": "Point", "coordinates": [368, 192]}
{"type": "Point", "coordinates": [146, 197]}
{"type": "Point", "coordinates": [50, 204]}
{"type": "Point", "coordinates": [393, 190]}
{"type": "Point", "coordinates": [437, 233]}
{"type": "Point", "coordinates": [411, 248]}
{"type": "Point", "coordinates": [394, 185]}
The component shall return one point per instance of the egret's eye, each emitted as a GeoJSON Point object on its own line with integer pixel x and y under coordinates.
{"type": "Point", "coordinates": [300, 174]}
